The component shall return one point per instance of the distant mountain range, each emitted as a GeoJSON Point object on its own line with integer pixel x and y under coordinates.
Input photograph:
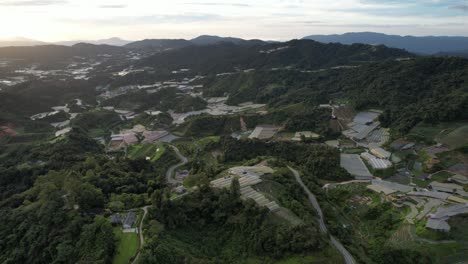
{"type": "Point", "coordinates": [444, 46]}
{"type": "Point", "coordinates": [25, 42]}
{"type": "Point", "coordinates": [51, 53]}
{"type": "Point", "coordinates": [158, 44]}
{"type": "Point", "coordinates": [19, 41]}
{"type": "Point", "coordinates": [420, 45]}
{"type": "Point", "coordinates": [109, 41]}
{"type": "Point", "coordinates": [163, 44]}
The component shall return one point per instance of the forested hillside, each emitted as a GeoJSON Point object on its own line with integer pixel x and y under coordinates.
{"type": "Point", "coordinates": [423, 89]}
{"type": "Point", "coordinates": [302, 54]}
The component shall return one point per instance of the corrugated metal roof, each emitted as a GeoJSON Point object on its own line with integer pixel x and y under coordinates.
{"type": "Point", "coordinates": [437, 224]}
{"type": "Point", "coordinates": [381, 153]}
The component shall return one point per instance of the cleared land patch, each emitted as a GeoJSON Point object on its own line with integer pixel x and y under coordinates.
{"type": "Point", "coordinates": [153, 151]}
{"type": "Point", "coordinates": [127, 246]}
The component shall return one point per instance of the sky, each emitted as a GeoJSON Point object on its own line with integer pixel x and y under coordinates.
{"type": "Point", "coordinates": [57, 20]}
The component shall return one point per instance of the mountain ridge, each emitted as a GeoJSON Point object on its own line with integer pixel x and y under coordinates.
{"type": "Point", "coordinates": [421, 45]}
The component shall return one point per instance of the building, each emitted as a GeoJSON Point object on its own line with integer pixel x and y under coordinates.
{"type": "Point", "coordinates": [392, 186]}
{"type": "Point", "coordinates": [153, 113]}
{"type": "Point", "coordinates": [264, 132]}
{"type": "Point", "coordinates": [457, 199]}
{"type": "Point", "coordinates": [399, 144]}
{"type": "Point", "coordinates": [381, 153]}
{"type": "Point", "coordinates": [61, 125]}
{"type": "Point", "coordinates": [63, 132]}
{"type": "Point", "coordinates": [355, 166]}
{"type": "Point", "coordinates": [439, 225]}
{"type": "Point", "coordinates": [438, 220]}
{"type": "Point", "coordinates": [115, 219]}
{"type": "Point", "coordinates": [447, 188]}
{"type": "Point", "coordinates": [129, 220]}
{"type": "Point", "coordinates": [363, 124]}
{"type": "Point", "coordinates": [459, 179]}
{"type": "Point", "coordinates": [306, 134]}
{"type": "Point", "coordinates": [152, 136]}
{"type": "Point", "coordinates": [375, 162]}
{"type": "Point", "coordinates": [333, 143]}
{"type": "Point", "coordinates": [429, 194]}
{"type": "Point", "coordinates": [380, 189]}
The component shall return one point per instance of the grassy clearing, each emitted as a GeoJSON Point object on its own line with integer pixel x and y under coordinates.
{"type": "Point", "coordinates": [353, 151]}
{"type": "Point", "coordinates": [127, 246]}
{"type": "Point", "coordinates": [160, 149]}
{"type": "Point", "coordinates": [421, 183]}
{"type": "Point", "coordinates": [441, 176]}
{"type": "Point", "coordinates": [142, 151]}
{"type": "Point", "coordinates": [206, 140]}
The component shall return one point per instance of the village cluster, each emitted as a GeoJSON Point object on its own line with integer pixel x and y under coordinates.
{"type": "Point", "coordinates": [437, 202]}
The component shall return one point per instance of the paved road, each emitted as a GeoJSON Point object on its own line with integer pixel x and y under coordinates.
{"type": "Point", "coordinates": [140, 234]}
{"type": "Point", "coordinates": [170, 180]}
{"type": "Point", "coordinates": [170, 171]}
{"type": "Point", "coordinates": [323, 228]}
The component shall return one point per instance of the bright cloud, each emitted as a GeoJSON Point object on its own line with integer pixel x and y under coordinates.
{"type": "Point", "coordinates": [53, 20]}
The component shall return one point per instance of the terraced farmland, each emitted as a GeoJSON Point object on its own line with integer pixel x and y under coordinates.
{"type": "Point", "coordinates": [249, 193]}
{"type": "Point", "coordinates": [402, 237]}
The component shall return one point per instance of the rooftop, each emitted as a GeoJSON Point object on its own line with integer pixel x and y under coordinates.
{"type": "Point", "coordinates": [264, 132]}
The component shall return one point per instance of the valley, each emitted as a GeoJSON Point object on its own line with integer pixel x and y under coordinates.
{"type": "Point", "coordinates": [232, 151]}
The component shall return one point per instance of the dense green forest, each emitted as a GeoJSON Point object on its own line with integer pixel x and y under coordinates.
{"type": "Point", "coordinates": [303, 54]}
{"type": "Point", "coordinates": [422, 89]}
{"type": "Point", "coordinates": [53, 196]}
{"type": "Point", "coordinates": [317, 161]}
{"type": "Point", "coordinates": [230, 230]}
{"type": "Point", "coordinates": [164, 99]}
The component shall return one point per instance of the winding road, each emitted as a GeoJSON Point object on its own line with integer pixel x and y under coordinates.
{"type": "Point", "coordinates": [323, 228]}
{"type": "Point", "coordinates": [170, 171]}
{"type": "Point", "coordinates": [140, 234]}
{"type": "Point", "coordinates": [170, 180]}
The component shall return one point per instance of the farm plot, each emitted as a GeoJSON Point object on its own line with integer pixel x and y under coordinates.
{"type": "Point", "coordinates": [402, 237]}
{"type": "Point", "coordinates": [127, 246]}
